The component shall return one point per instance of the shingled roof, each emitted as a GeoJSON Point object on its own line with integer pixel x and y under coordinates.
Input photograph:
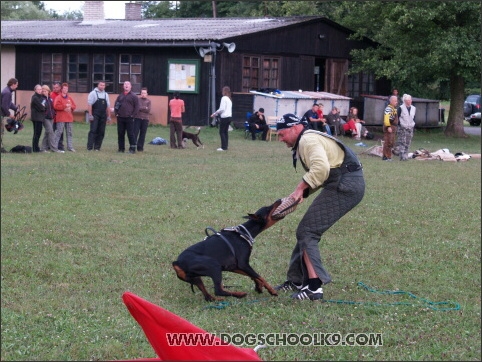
{"type": "Point", "coordinates": [127, 31]}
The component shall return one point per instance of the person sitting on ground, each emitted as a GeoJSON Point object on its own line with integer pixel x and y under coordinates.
{"type": "Point", "coordinates": [311, 116]}
{"type": "Point", "coordinates": [322, 124]}
{"type": "Point", "coordinates": [335, 122]}
{"type": "Point", "coordinates": [349, 127]}
{"type": "Point", "coordinates": [361, 130]}
{"type": "Point", "coordinates": [257, 122]}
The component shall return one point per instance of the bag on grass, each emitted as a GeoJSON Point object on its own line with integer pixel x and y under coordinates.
{"type": "Point", "coordinates": [21, 149]}
{"type": "Point", "coordinates": [158, 141]}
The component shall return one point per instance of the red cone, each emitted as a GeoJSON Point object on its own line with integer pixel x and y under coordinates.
{"type": "Point", "coordinates": [160, 325]}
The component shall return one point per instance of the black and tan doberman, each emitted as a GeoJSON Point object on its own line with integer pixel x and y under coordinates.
{"type": "Point", "coordinates": [226, 250]}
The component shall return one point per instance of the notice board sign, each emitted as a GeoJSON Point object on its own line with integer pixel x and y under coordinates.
{"type": "Point", "coordinates": [183, 76]}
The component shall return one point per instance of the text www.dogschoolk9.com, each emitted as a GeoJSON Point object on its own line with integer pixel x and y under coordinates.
{"type": "Point", "coordinates": [275, 339]}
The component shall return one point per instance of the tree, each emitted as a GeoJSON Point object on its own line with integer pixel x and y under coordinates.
{"type": "Point", "coordinates": [23, 10]}
{"type": "Point", "coordinates": [419, 41]}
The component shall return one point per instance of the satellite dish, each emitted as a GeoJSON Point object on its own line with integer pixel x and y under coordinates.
{"type": "Point", "coordinates": [230, 46]}
{"type": "Point", "coordinates": [204, 51]}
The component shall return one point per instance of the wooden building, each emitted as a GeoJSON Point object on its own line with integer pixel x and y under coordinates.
{"type": "Point", "coordinates": [194, 56]}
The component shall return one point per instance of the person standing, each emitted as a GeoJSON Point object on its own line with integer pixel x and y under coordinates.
{"type": "Point", "coordinates": [141, 121]}
{"type": "Point", "coordinates": [177, 108]}
{"type": "Point", "coordinates": [225, 111]}
{"type": "Point", "coordinates": [334, 168]}
{"type": "Point", "coordinates": [56, 86]}
{"type": "Point", "coordinates": [394, 93]}
{"type": "Point", "coordinates": [406, 122]}
{"type": "Point", "coordinates": [7, 105]}
{"type": "Point", "coordinates": [65, 106]}
{"type": "Point", "coordinates": [126, 107]}
{"type": "Point", "coordinates": [98, 106]}
{"type": "Point", "coordinates": [48, 141]}
{"type": "Point", "coordinates": [257, 122]}
{"type": "Point", "coordinates": [38, 105]}
{"type": "Point", "coordinates": [390, 122]}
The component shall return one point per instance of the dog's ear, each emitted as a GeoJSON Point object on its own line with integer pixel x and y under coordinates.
{"type": "Point", "coordinates": [252, 217]}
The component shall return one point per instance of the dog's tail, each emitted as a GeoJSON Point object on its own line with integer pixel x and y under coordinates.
{"type": "Point", "coordinates": [198, 130]}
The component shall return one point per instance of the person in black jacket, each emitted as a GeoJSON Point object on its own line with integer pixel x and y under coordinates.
{"type": "Point", "coordinates": [126, 108]}
{"type": "Point", "coordinates": [257, 122]}
{"type": "Point", "coordinates": [38, 105]}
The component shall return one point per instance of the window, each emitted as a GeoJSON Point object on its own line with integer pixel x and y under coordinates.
{"type": "Point", "coordinates": [270, 73]}
{"type": "Point", "coordinates": [131, 70]}
{"type": "Point", "coordinates": [77, 72]}
{"type": "Point", "coordinates": [82, 71]}
{"type": "Point", "coordinates": [360, 83]}
{"type": "Point", "coordinates": [260, 72]}
{"type": "Point", "coordinates": [51, 68]}
{"type": "Point", "coordinates": [104, 70]}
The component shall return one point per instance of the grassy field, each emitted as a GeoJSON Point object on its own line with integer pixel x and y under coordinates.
{"type": "Point", "coordinates": [80, 229]}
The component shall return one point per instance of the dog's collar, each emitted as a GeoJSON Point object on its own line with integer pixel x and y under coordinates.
{"type": "Point", "coordinates": [244, 233]}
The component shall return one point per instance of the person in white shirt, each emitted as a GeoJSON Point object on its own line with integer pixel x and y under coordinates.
{"type": "Point", "coordinates": [225, 111]}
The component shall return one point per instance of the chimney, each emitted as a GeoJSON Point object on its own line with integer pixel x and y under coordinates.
{"type": "Point", "coordinates": [134, 11]}
{"type": "Point", "coordinates": [93, 12]}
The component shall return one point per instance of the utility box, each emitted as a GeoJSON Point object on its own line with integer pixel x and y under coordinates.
{"type": "Point", "coordinates": [296, 102]}
{"type": "Point", "coordinates": [427, 115]}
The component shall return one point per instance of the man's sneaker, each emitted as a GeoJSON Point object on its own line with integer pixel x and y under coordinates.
{"type": "Point", "coordinates": [288, 286]}
{"type": "Point", "coordinates": [306, 293]}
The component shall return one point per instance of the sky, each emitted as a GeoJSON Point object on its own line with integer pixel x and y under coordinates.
{"type": "Point", "coordinates": [112, 9]}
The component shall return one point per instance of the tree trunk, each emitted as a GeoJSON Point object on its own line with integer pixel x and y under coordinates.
{"type": "Point", "coordinates": [215, 10]}
{"type": "Point", "coordinates": [455, 121]}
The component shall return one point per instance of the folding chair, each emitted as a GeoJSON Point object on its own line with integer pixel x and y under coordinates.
{"type": "Point", "coordinates": [271, 121]}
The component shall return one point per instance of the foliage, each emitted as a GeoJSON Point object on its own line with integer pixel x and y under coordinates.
{"type": "Point", "coordinates": [448, 50]}
{"type": "Point", "coordinates": [22, 10]}
{"type": "Point", "coordinates": [34, 10]}
{"type": "Point", "coordinates": [79, 229]}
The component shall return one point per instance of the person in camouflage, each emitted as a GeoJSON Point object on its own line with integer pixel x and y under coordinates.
{"type": "Point", "coordinates": [406, 115]}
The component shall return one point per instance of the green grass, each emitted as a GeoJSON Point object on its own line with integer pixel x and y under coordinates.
{"type": "Point", "coordinates": [78, 230]}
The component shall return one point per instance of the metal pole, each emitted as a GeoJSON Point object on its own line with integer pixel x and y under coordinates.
{"type": "Point", "coordinates": [213, 79]}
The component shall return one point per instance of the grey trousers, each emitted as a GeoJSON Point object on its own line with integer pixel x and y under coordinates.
{"type": "Point", "coordinates": [341, 194]}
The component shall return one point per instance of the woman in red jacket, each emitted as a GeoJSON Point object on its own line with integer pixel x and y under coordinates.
{"type": "Point", "coordinates": [65, 106]}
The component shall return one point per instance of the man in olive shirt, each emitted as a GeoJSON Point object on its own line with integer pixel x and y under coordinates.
{"type": "Point", "coordinates": [334, 168]}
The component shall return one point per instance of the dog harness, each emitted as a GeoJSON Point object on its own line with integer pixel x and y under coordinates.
{"type": "Point", "coordinates": [245, 234]}
{"type": "Point", "coordinates": [240, 229]}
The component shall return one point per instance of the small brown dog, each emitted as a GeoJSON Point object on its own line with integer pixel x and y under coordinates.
{"type": "Point", "coordinates": [194, 137]}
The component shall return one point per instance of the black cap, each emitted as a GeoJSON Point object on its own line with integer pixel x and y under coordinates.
{"type": "Point", "coordinates": [289, 120]}
{"type": "Point", "coordinates": [261, 110]}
